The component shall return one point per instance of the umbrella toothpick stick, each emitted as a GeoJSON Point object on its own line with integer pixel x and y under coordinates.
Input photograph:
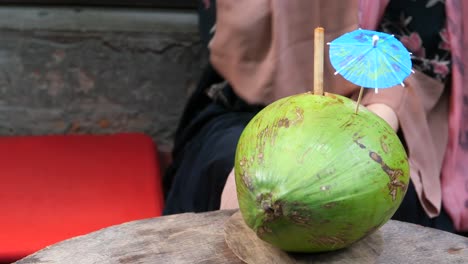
{"type": "Point", "coordinates": [359, 99]}
{"type": "Point", "coordinates": [319, 42]}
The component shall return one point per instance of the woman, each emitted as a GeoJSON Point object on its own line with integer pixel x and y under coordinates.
{"type": "Point", "coordinates": [264, 49]}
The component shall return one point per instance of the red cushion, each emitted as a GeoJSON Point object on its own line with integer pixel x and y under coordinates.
{"type": "Point", "coordinates": [56, 187]}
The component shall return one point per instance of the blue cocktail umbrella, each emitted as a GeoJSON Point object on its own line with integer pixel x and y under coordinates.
{"type": "Point", "coordinates": [370, 59]}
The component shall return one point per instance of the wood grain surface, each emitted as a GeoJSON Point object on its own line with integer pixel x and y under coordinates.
{"type": "Point", "coordinates": [200, 238]}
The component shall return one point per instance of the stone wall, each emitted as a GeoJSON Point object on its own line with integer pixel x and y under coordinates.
{"type": "Point", "coordinates": [73, 70]}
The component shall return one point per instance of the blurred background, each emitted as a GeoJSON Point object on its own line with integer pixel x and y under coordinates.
{"type": "Point", "coordinates": [81, 67]}
{"type": "Point", "coordinates": [102, 66]}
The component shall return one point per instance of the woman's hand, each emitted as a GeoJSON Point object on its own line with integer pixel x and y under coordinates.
{"type": "Point", "coordinates": [229, 195]}
{"type": "Point", "coordinates": [386, 113]}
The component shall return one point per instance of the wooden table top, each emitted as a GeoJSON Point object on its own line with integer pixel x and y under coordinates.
{"type": "Point", "coordinates": [200, 238]}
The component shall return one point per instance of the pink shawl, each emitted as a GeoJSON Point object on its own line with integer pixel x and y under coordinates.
{"type": "Point", "coordinates": [455, 168]}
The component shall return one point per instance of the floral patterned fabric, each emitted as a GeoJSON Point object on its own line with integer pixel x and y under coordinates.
{"type": "Point", "coordinates": [409, 21]}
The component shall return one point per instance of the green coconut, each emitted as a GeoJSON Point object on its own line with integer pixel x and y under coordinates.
{"type": "Point", "coordinates": [313, 176]}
